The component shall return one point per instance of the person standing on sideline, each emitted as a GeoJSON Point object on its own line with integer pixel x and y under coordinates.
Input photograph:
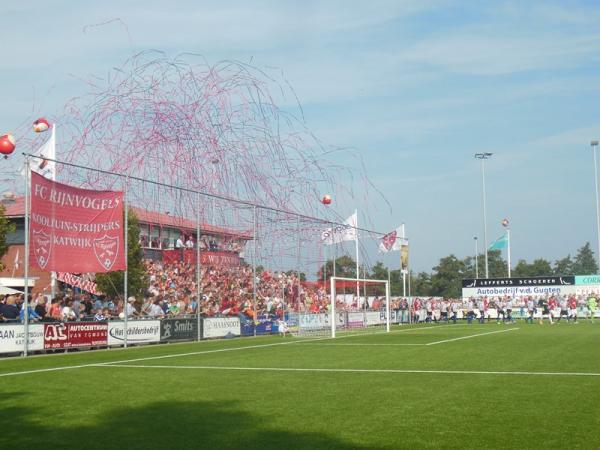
{"type": "Point", "coordinates": [551, 309]}
{"type": "Point", "coordinates": [592, 304]}
{"type": "Point", "coordinates": [481, 309]}
{"type": "Point", "coordinates": [470, 311]}
{"type": "Point", "coordinates": [562, 303]}
{"type": "Point", "coordinates": [454, 306]}
{"type": "Point", "coordinates": [572, 309]}
{"type": "Point", "coordinates": [509, 308]}
{"type": "Point", "coordinates": [530, 309]}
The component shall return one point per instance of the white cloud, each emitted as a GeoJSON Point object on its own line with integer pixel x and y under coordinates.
{"type": "Point", "coordinates": [484, 51]}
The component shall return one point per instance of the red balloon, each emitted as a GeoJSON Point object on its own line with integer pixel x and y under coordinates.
{"type": "Point", "coordinates": [326, 200]}
{"type": "Point", "coordinates": [7, 144]}
{"type": "Point", "coordinates": [41, 125]}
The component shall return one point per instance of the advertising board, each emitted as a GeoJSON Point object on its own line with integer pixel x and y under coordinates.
{"type": "Point", "coordinates": [78, 334]}
{"type": "Point", "coordinates": [178, 330]}
{"type": "Point", "coordinates": [140, 331]}
{"type": "Point", "coordinates": [213, 327]}
{"type": "Point", "coordinates": [12, 338]}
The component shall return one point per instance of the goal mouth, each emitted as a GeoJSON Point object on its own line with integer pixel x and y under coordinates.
{"type": "Point", "coordinates": [354, 306]}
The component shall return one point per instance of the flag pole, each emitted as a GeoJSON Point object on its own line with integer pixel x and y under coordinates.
{"type": "Point", "coordinates": [508, 250]}
{"type": "Point", "coordinates": [53, 178]}
{"type": "Point", "coordinates": [126, 246]}
{"type": "Point", "coordinates": [357, 264]}
{"type": "Point", "coordinates": [198, 268]}
{"type": "Point", "coordinates": [254, 237]}
{"type": "Point", "coordinates": [401, 268]}
{"type": "Point", "coordinates": [27, 244]}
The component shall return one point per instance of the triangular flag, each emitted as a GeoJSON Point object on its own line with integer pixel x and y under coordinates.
{"type": "Point", "coordinates": [391, 241]}
{"type": "Point", "coordinates": [500, 243]}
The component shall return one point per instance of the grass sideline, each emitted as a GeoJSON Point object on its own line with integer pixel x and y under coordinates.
{"type": "Point", "coordinates": [433, 386]}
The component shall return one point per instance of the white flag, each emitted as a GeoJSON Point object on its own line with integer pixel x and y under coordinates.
{"type": "Point", "coordinates": [391, 241]}
{"type": "Point", "coordinates": [48, 150]}
{"type": "Point", "coordinates": [339, 233]}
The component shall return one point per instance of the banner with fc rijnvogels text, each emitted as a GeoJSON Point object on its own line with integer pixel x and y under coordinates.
{"type": "Point", "coordinates": [75, 230]}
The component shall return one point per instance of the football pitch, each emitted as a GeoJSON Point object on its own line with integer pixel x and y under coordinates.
{"type": "Point", "coordinates": [425, 386]}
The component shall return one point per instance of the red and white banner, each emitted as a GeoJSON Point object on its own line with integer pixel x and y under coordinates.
{"type": "Point", "coordinates": [77, 281]}
{"type": "Point", "coordinates": [79, 334]}
{"type": "Point", "coordinates": [206, 258]}
{"type": "Point", "coordinates": [75, 230]}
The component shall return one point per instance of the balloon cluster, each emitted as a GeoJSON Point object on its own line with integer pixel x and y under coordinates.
{"type": "Point", "coordinates": [7, 144]}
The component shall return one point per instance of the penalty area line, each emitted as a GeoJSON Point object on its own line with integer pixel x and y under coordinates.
{"type": "Point", "coordinates": [382, 371]}
{"type": "Point", "coordinates": [471, 336]}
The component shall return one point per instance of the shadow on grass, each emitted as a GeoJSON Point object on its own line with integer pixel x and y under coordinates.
{"type": "Point", "coordinates": [170, 425]}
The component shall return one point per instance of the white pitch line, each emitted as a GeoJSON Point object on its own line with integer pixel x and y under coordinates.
{"type": "Point", "coordinates": [80, 366]}
{"type": "Point", "coordinates": [51, 369]}
{"type": "Point", "coordinates": [359, 344]}
{"type": "Point", "coordinates": [150, 358]}
{"type": "Point", "coordinates": [396, 371]}
{"type": "Point", "coordinates": [471, 336]}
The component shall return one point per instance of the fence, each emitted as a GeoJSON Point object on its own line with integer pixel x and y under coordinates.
{"type": "Point", "coordinates": [203, 254]}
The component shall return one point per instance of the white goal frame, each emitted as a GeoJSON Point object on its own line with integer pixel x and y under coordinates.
{"type": "Point", "coordinates": [333, 292]}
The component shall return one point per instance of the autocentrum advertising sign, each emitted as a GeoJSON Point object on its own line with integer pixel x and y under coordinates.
{"type": "Point", "coordinates": [78, 334]}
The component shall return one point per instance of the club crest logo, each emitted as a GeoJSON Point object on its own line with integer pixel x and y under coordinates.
{"type": "Point", "coordinates": [106, 249]}
{"type": "Point", "coordinates": [42, 247]}
{"type": "Point", "coordinates": [389, 240]}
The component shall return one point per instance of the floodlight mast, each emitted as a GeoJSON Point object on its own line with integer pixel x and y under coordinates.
{"type": "Point", "coordinates": [594, 145]}
{"type": "Point", "coordinates": [483, 157]}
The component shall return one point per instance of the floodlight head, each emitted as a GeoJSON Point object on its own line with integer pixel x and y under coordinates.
{"type": "Point", "coordinates": [594, 143]}
{"type": "Point", "coordinates": [485, 155]}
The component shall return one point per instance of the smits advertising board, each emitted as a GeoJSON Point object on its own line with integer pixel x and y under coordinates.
{"type": "Point", "coordinates": [178, 330]}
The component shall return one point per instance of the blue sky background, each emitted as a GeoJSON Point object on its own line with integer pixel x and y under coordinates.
{"type": "Point", "coordinates": [416, 87]}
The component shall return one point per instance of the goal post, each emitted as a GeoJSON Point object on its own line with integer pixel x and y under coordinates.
{"type": "Point", "coordinates": [374, 317]}
{"type": "Point", "coordinates": [342, 312]}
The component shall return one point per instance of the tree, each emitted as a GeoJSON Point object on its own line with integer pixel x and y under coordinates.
{"type": "Point", "coordinates": [446, 280]}
{"type": "Point", "coordinates": [111, 283]}
{"type": "Point", "coordinates": [379, 271]}
{"type": "Point", "coordinates": [6, 227]}
{"type": "Point", "coordinates": [563, 266]}
{"type": "Point", "coordinates": [585, 263]}
{"type": "Point", "coordinates": [345, 266]}
{"type": "Point", "coordinates": [497, 266]}
{"type": "Point", "coordinates": [538, 268]}
{"type": "Point", "coordinates": [421, 284]}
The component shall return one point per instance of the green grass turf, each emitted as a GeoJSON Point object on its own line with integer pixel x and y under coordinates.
{"type": "Point", "coordinates": [179, 406]}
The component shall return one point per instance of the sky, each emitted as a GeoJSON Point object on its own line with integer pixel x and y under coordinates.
{"type": "Point", "coordinates": [415, 87]}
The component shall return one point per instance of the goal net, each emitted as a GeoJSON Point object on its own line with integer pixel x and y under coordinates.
{"type": "Point", "coordinates": [354, 306]}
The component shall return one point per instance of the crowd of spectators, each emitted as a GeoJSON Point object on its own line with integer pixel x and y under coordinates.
{"type": "Point", "coordinates": [505, 309]}
{"type": "Point", "coordinates": [229, 291]}
{"type": "Point", "coordinates": [206, 243]}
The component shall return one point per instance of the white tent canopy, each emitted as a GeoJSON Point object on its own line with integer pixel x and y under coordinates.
{"type": "Point", "coordinates": [8, 291]}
